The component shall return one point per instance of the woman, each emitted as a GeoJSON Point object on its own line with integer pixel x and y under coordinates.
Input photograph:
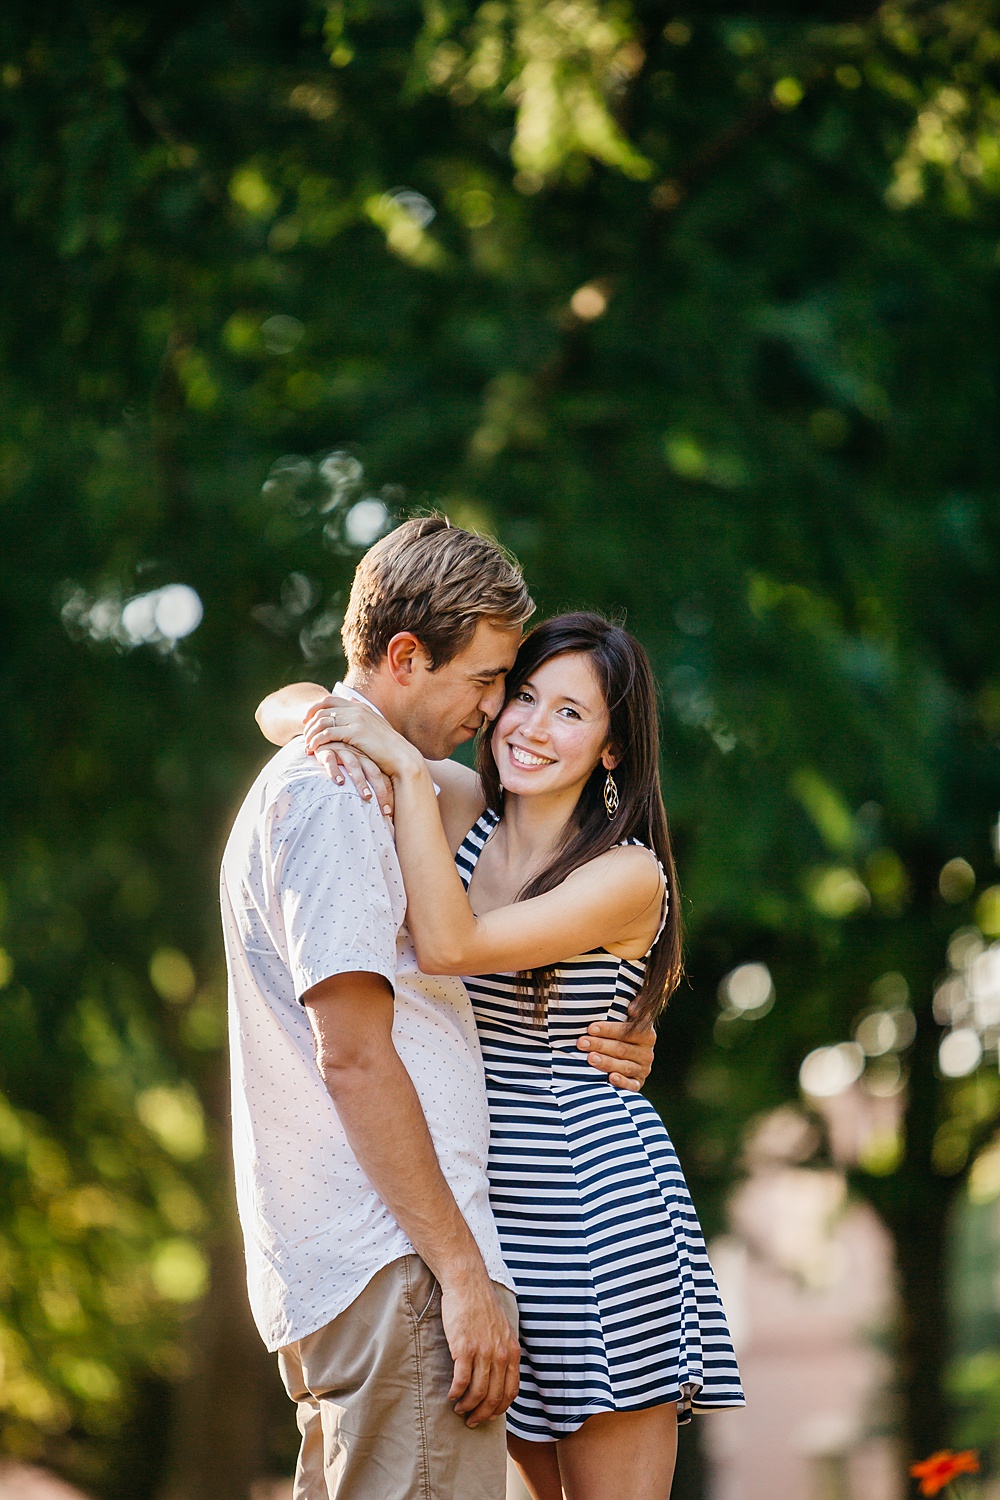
{"type": "Point", "coordinates": [560, 908]}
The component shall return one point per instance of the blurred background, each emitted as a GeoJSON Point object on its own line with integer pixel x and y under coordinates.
{"type": "Point", "coordinates": [697, 311]}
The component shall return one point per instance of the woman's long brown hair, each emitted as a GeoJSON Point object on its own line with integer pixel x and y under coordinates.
{"type": "Point", "coordinates": [629, 688]}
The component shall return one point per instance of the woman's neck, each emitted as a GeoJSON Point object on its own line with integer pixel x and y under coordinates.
{"type": "Point", "coordinates": [533, 828]}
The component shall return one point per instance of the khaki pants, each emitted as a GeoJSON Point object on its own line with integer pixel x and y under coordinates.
{"type": "Point", "coordinates": [372, 1395]}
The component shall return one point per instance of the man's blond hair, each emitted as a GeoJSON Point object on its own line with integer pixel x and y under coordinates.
{"type": "Point", "coordinates": [436, 581]}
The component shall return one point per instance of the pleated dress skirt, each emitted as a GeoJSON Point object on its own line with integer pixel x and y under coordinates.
{"type": "Point", "coordinates": [619, 1308]}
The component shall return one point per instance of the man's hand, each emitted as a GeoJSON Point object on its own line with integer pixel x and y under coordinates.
{"type": "Point", "coordinates": [626, 1062]}
{"type": "Point", "coordinates": [483, 1345]}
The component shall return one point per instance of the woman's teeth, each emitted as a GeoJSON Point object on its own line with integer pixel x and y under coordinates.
{"type": "Point", "coordinates": [525, 758]}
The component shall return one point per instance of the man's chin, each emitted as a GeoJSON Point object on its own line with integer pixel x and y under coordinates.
{"type": "Point", "coordinates": [459, 738]}
{"type": "Point", "coordinates": [439, 742]}
{"type": "Point", "coordinates": [440, 749]}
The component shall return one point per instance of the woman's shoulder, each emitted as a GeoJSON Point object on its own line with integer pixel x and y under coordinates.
{"type": "Point", "coordinates": [460, 800]}
{"type": "Point", "coordinates": [631, 870]}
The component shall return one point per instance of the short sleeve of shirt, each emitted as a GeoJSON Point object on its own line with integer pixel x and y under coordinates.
{"type": "Point", "coordinates": [332, 886]}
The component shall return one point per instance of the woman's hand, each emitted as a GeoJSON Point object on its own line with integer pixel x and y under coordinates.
{"type": "Point", "coordinates": [354, 728]}
{"type": "Point", "coordinates": [627, 1060]}
{"type": "Point", "coordinates": [341, 762]}
{"type": "Point", "coordinates": [281, 717]}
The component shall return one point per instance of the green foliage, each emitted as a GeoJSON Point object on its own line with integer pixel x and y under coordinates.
{"type": "Point", "coordinates": [697, 312]}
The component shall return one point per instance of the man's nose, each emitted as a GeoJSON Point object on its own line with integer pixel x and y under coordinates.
{"type": "Point", "coordinates": [491, 702]}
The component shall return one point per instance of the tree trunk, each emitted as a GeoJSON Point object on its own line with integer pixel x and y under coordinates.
{"type": "Point", "coordinates": [225, 1411]}
{"type": "Point", "coordinates": [921, 1257]}
{"type": "Point", "coordinates": [915, 1203]}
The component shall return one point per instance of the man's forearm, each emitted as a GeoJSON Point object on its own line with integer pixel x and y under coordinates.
{"type": "Point", "coordinates": [351, 1015]}
{"type": "Point", "coordinates": [385, 1126]}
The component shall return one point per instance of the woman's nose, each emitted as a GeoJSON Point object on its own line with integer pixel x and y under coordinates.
{"type": "Point", "coordinates": [534, 725]}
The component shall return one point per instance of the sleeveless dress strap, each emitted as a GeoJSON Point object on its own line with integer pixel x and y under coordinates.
{"type": "Point", "coordinates": [472, 846]}
{"type": "Point", "coordinates": [665, 904]}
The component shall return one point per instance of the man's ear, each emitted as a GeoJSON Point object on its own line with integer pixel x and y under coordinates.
{"type": "Point", "coordinates": [404, 655]}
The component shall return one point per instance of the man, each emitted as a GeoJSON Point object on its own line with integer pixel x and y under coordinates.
{"type": "Point", "coordinates": [359, 1110]}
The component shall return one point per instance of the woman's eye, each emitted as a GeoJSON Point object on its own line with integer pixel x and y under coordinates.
{"type": "Point", "coordinates": [523, 697]}
{"type": "Point", "coordinates": [570, 711]}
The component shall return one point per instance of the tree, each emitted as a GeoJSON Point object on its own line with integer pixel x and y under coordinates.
{"type": "Point", "coordinates": [697, 312]}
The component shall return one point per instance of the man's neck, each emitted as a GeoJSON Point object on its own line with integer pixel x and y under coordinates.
{"type": "Point", "coordinates": [378, 693]}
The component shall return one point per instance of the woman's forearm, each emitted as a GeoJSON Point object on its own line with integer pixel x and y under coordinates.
{"type": "Point", "coordinates": [441, 921]}
{"type": "Point", "coordinates": [281, 714]}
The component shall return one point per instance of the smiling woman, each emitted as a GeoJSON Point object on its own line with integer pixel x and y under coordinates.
{"type": "Point", "coordinates": [582, 694]}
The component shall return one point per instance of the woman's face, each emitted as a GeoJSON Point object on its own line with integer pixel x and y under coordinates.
{"type": "Point", "coordinates": [554, 730]}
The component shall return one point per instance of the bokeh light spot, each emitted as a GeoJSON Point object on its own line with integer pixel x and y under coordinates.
{"type": "Point", "coordinates": [365, 522]}
{"type": "Point", "coordinates": [419, 208]}
{"type": "Point", "coordinates": [249, 188]}
{"type": "Point", "coordinates": [589, 302]}
{"type": "Point", "coordinates": [837, 892]}
{"type": "Point", "coordinates": [177, 611]}
{"type": "Point", "coordinates": [988, 911]}
{"type": "Point", "coordinates": [171, 975]}
{"type": "Point", "coordinates": [957, 880]}
{"type": "Point", "coordinates": [960, 1052]}
{"type": "Point", "coordinates": [831, 1070]}
{"type": "Point", "coordinates": [476, 208]}
{"type": "Point", "coordinates": [91, 1379]}
{"type": "Point", "coordinates": [787, 93]}
{"type": "Point", "coordinates": [281, 334]}
{"type": "Point", "coordinates": [179, 1270]}
{"type": "Point", "coordinates": [876, 1033]}
{"type": "Point", "coordinates": [984, 1175]}
{"type": "Point", "coordinates": [164, 615]}
{"type": "Point", "coordinates": [174, 1116]}
{"type": "Point", "coordinates": [964, 947]}
{"type": "Point", "coordinates": [748, 990]}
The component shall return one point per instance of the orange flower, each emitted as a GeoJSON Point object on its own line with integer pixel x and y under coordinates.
{"type": "Point", "coordinates": [941, 1468]}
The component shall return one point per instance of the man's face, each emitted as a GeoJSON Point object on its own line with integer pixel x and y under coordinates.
{"type": "Point", "coordinates": [447, 707]}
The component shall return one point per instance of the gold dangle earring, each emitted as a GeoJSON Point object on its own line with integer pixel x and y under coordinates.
{"type": "Point", "coordinates": [610, 797]}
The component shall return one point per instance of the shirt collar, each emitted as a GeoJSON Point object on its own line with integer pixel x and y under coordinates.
{"type": "Point", "coordinates": [340, 690]}
{"type": "Point", "coordinates": [346, 692]}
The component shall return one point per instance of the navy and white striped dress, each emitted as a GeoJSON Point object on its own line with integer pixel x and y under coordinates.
{"type": "Point", "coordinates": [618, 1305]}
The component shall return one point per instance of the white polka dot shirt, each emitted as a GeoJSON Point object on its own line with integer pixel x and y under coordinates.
{"type": "Point", "coordinates": [311, 887]}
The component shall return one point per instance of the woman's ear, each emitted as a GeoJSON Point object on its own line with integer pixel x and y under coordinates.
{"type": "Point", "coordinates": [609, 759]}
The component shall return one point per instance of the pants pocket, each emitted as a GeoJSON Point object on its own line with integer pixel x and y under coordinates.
{"type": "Point", "coordinates": [421, 1288]}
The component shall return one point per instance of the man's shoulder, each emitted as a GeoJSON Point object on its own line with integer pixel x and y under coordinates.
{"type": "Point", "coordinates": [292, 770]}
{"type": "Point", "coordinates": [292, 786]}
{"type": "Point", "coordinates": [296, 788]}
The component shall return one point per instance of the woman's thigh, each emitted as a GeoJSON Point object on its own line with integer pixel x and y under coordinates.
{"type": "Point", "coordinates": [620, 1455]}
{"type": "Point", "coordinates": [538, 1466]}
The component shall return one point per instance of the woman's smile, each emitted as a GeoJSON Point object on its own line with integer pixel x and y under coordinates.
{"type": "Point", "coordinates": [528, 759]}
